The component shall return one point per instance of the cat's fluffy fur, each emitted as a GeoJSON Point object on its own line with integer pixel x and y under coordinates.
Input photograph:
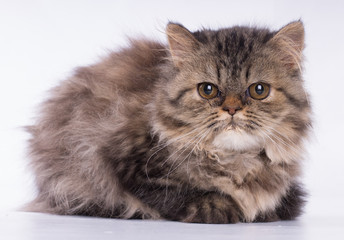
{"type": "Point", "coordinates": [131, 137]}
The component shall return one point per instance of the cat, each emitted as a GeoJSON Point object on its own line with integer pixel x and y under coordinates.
{"type": "Point", "coordinates": [209, 128]}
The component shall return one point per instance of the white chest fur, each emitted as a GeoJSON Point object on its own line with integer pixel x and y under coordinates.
{"type": "Point", "coordinates": [237, 140]}
{"type": "Point", "coordinates": [244, 148]}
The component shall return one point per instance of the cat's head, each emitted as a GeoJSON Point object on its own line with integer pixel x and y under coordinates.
{"type": "Point", "coordinates": [235, 89]}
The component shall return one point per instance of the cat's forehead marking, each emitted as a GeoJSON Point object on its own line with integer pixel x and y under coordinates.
{"type": "Point", "coordinates": [232, 49]}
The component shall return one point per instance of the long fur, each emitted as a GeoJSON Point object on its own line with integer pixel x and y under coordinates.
{"type": "Point", "coordinates": [130, 136]}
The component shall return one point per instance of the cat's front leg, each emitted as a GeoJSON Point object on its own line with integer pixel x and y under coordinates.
{"type": "Point", "coordinates": [289, 208]}
{"type": "Point", "coordinates": [211, 208]}
{"type": "Point", "coordinates": [189, 205]}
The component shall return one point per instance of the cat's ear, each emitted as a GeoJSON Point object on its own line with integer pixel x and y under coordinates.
{"type": "Point", "coordinates": [289, 41]}
{"type": "Point", "coordinates": [181, 42]}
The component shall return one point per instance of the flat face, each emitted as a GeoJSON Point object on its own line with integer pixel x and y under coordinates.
{"type": "Point", "coordinates": [236, 88]}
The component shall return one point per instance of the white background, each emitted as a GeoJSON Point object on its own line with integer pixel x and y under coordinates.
{"type": "Point", "coordinates": [42, 41]}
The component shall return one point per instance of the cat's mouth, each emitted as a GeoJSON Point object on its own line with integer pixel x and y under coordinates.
{"type": "Point", "coordinates": [233, 125]}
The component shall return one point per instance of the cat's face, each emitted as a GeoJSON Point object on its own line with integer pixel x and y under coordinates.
{"type": "Point", "coordinates": [237, 89]}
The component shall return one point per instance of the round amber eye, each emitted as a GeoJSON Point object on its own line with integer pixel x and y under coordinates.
{"type": "Point", "coordinates": [207, 90]}
{"type": "Point", "coordinates": [259, 91]}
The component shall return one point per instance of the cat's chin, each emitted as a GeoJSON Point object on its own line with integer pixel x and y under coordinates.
{"type": "Point", "coordinates": [236, 139]}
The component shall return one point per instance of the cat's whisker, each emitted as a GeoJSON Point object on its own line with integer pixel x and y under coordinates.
{"type": "Point", "coordinates": [166, 144]}
{"type": "Point", "coordinates": [260, 118]}
{"type": "Point", "coordinates": [281, 138]}
{"type": "Point", "coordinates": [277, 141]}
{"type": "Point", "coordinates": [272, 122]}
{"type": "Point", "coordinates": [195, 128]}
{"type": "Point", "coordinates": [273, 133]}
{"type": "Point", "coordinates": [189, 155]}
{"type": "Point", "coordinates": [290, 144]}
{"type": "Point", "coordinates": [274, 137]}
{"type": "Point", "coordinates": [199, 140]}
{"type": "Point", "coordinates": [284, 136]}
{"type": "Point", "coordinates": [266, 134]}
{"type": "Point", "coordinates": [189, 143]}
{"type": "Point", "coordinates": [163, 146]}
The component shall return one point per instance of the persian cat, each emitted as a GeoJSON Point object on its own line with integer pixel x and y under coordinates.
{"type": "Point", "coordinates": [208, 129]}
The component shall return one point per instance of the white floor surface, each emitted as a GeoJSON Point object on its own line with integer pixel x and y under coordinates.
{"type": "Point", "coordinates": [37, 226]}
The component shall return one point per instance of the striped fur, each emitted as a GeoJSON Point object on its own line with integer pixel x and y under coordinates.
{"type": "Point", "coordinates": [130, 136]}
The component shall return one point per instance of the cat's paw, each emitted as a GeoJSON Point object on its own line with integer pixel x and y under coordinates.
{"type": "Point", "coordinates": [212, 208]}
{"type": "Point", "coordinates": [267, 217]}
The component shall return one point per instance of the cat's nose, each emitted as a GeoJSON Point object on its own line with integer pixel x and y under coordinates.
{"type": "Point", "coordinates": [232, 105]}
{"type": "Point", "coordinates": [231, 110]}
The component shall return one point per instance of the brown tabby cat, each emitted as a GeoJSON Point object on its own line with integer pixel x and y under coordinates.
{"type": "Point", "coordinates": [209, 129]}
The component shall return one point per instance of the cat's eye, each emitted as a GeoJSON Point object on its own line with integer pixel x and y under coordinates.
{"type": "Point", "coordinates": [208, 90]}
{"type": "Point", "coordinates": [259, 91]}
